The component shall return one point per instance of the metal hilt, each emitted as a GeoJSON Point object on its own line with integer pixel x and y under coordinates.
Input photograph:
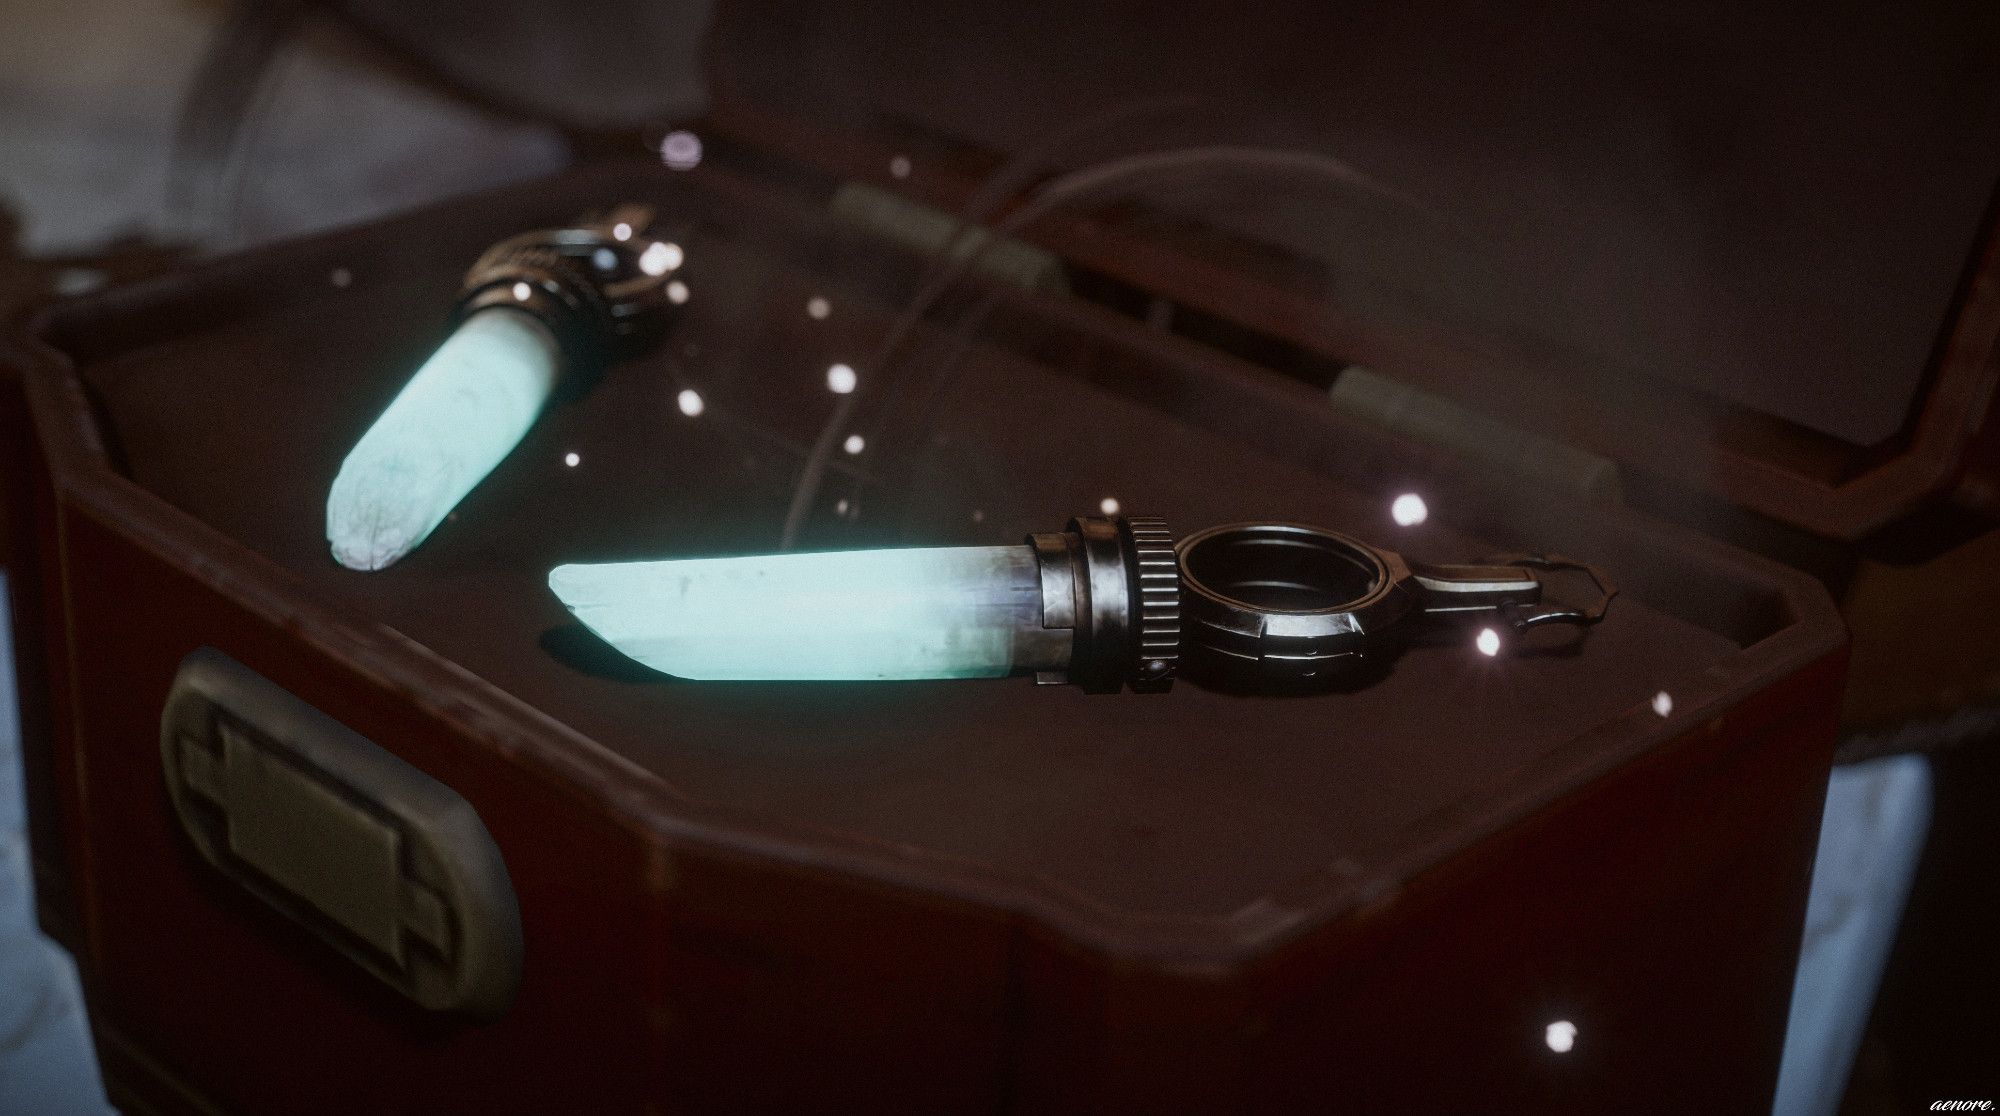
{"type": "Point", "coordinates": [1110, 581]}
{"type": "Point", "coordinates": [1294, 605]}
{"type": "Point", "coordinates": [593, 284]}
{"type": "Point", "coordinates": [1509, 588]}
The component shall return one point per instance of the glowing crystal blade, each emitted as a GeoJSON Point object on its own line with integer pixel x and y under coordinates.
{"type": "Point", "coordinates": [945, 612]}
{"type": "Point", "coordinates": [462, 412]}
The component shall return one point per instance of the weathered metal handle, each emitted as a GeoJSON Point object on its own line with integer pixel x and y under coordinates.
{"type": "Point", "coordinates": [379, 860]}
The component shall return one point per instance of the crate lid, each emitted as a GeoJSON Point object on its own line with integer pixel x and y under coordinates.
{"type": "Point", "coordinates": [1744, 251]}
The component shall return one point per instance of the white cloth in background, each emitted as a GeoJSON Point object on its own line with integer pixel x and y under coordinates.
{"type": "Point", "coordinates": [90, 92]}
{"type": "Point", "coordinates": [1872, 834]}
{"type": "Point", "coordinates": [47, 1065]}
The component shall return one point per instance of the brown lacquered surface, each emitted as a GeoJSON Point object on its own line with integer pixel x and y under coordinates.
{"type": "Point", "coordinates": [1194, 806]}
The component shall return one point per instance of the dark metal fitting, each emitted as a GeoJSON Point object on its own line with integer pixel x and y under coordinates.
{"type": "Point", "coordinates": [1113, 582]}
{"type": "Point", "coordinates": [1289, 604]}
{"type": "Point", "coordinates": [587, 284]}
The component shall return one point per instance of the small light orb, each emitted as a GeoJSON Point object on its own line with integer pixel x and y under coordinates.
{"type": "Point", "coordinates": [1488, 642]}
{"type": "Point", "coordinates": [621, 231]}
{"type": "Point", "coordinates": [340, 277]}
{"type": "Point", "coordinates": [978, 516]}
{"type": "Point", "coordinates": [604, 259]}
{"type": "Point", "coordinates": [522, 291]}
{"type": "Point", "coordinates": [677, 292]}
{"type": "Point", "coordinates": [690, 402]}
{"type": "Point", "coordinates": [1409, 510]}
{"type": "Point", "coordinates": [1108, 505]}
{"type": "Point", "coordinates": [843, 509]}
{"type": "Point", "coordinates": [1561, 1036]}
{"type": "Point", "coordinates": [681, 150]}
{"type": "Point", "coordinates": [841, 380]}
{"type": "Point", "coordinates": [572, 459]}
{"type": "Point", "coordinates": [818, 308]}
{"type": "Point", "coordinates": [1663, 703]}
{"type": "Point", "coordinates": [853, 444]}
{"type": "Point", "coordinates": [900, 166]}
{"type": "Point", "coordinates": [660, 257]}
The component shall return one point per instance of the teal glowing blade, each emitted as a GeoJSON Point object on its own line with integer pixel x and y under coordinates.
{"type": "Point", "coordinates": [456, 419]}
{"type": "Point", "coordinates": [947, 612]}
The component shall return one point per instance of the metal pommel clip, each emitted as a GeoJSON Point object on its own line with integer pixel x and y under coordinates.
{"type": "Point", "coordinates": [1112, 583]}
{"type": "Point", "coordinates": [1287, 605]}
{"type": "Point", "coordinates": [602, 294]}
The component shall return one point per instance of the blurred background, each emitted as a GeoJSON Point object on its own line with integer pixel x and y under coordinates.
{"type": "Point", "coordinates": [1768, 211]}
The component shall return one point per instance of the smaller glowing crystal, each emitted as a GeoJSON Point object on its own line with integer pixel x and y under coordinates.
{"type": "Point", "coordinates": [458, 417]}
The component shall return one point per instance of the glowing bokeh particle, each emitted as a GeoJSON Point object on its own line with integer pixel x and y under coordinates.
{"type": "Point", "coordinates": [681, 150]}
{"type": "Point", "coordinates": [1488, 642]}
{"type": "Point", "coordinates": [1408, 510]}
{"type": "Point", "coordinates": [1561, 1036]}
{"type": "Point", "coordinates": [572, 459]}
{"type": "Point", "coordinates": [1108, 505]}
{"type": "Point", "coordinates": [690, 402]}
{"type": "Point", "coordinates": [677, 292]}
{"type": "Point", "coordinates": [854, 444]}
{"type": "Point", "coordinates": [1663, 703]}
{"type": "Point", "coordinates": [661, 257]}
{"type": "Point", "coordinates": [818, 308]}
{"type": "Point", "coordinates": [840, 379]}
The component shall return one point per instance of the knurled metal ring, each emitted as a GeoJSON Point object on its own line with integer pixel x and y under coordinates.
{"type": "Point", "coordinates": [1155, 571]}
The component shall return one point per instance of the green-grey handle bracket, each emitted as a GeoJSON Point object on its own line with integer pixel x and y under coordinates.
{"type": "Point", "coordinates": [378, 859]}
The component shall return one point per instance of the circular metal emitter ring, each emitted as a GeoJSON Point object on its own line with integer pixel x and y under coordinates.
{"type": "Point", "coordinates": [1285, 602]}
{"type": "Point", "coordinates": [559, 276]}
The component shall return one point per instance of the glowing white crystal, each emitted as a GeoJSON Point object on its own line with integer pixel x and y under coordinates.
{"type": "Point", "coordinates": [457, 418]}
{"type": "Point", "coordinates": [944, 612]}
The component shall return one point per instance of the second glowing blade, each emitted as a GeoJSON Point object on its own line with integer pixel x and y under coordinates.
{"type": "Point", "coordinates": [945, 612]}
{"type": "Point", "coordinates": [457, 418]}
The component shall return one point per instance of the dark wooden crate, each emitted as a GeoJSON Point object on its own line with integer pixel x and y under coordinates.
{"type": "Point", "coordinates": [925, 896]}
